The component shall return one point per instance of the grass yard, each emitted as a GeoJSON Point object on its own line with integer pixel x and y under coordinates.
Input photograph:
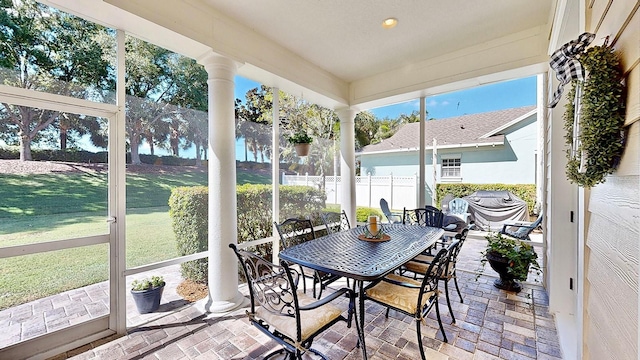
{"type": "Point", "coordinates": [47, 194]}
{"type": "Point", "coordinates": [149, 239]}
{"type": "Point", "coordinates": [37, 208]}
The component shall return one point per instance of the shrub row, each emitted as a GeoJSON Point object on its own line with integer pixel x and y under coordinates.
{"type": "Point", "coordinates": [188, 208]}
{"type": "Point", "coordinates": [83, 156]}
{"type": "Point", "coordinates": [79, 156]}
{"type": "Point", "coordinates": [526, 192]}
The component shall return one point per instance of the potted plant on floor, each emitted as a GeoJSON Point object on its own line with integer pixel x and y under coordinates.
{"type": "Point", "coordinates": [511, 259]}
{"type": "Point", "coordinates": [147, 293]}
{"type": "Point", "coordinates": [301, 142]}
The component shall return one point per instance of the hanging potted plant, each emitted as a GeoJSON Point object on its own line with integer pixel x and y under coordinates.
{"type": "Point", "coordinates": [301, 142]}
{"type": "Point", "coordinates": [511, 259]}
{"type": "Point", "coordinates": [147, 293]}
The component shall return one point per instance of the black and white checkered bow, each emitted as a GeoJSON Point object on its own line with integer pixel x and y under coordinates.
{"type": "Point", "coordinates": [564, 61]}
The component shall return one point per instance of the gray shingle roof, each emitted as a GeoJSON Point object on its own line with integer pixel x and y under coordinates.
{"type": "Point", "coordinates": [465, 129]}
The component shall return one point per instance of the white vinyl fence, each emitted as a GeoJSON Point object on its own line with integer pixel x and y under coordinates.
{"type": "Point", "coordinates": [399, 191]}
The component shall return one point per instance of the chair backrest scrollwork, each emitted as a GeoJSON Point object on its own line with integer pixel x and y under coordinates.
{"type": "Point", "coordinates": [271, 286]}
{"type": "Point", "coordinates": [335, 222]}
{"type": "Point", "coordinates": [427, 216]}
{"type": "Point", "coordinates": [295, 231]}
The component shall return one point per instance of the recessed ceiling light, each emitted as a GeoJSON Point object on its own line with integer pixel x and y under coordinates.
{"type": "Point", "coordinates": [389, 23]}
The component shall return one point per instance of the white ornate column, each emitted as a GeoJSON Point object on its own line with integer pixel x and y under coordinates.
{"type": "Point", "coordinates": [223, 264]}
{"type": "Point", "coordinates": [348, 163]}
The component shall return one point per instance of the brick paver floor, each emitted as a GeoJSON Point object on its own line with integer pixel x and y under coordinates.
{"type": "Point", "coordinates": [490, 324]}
{"type": "Point", "coordinates": [26, 321]}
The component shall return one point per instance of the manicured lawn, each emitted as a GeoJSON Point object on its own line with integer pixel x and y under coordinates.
{"type": "Point", "coordinates": [39, 208]}
{"type": "Point", "coordinates": [149, 239]}
{"type": "Point", "coordinates": [45, 194]}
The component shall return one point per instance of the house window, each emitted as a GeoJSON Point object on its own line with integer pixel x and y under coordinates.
{"type": "Point", "coordinates": [451, 168]}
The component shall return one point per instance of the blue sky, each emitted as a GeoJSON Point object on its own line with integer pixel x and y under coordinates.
{"type": "Point", "coordinates": [499, 96]}
{"type": "Point", "coordinates": [504, 95]}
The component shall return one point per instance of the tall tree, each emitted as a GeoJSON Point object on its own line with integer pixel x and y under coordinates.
{"type": "Point", "coordinates": [253, 116]}
{"type": "Point", "coordinates": [366, 128]}
{"type": "Point", "coordinates": [40, 46]}
{"type": "Point", "coordinates": [190, 93]}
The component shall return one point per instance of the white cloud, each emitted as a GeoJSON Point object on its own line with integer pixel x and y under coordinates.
{"type": "Point", "coordinates": [432, 103]}
{"type": "Point", "coordinates": [445, 103]}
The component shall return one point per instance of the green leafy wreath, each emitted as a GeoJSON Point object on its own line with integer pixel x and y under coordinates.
{"type": "Point", "coordinates": [601, 118]}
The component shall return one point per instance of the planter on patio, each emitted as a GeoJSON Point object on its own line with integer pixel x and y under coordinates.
{"type": "Point", "coordinates": [511, 259]}
{"type": "Point", "coordinates": [500, 264]}
{"type": "Point", "coordinates": [147, 294]}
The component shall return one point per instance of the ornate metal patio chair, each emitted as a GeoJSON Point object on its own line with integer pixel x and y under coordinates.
{"type": "Point", "coordinates": [393, 218]}
{"type": "Point", "coordinates": [521, 230]}
{"type": "Point", "coordinates": [286, 315]}
{"type": "Point", "coordinates": [335, 222]}
{"type": "Point", "coordinates": [412, 297]}
{"type": "Point", "coordinates": [420, 263]}
{"type": "Point", "coordinates": [294, 231]}
{"type": "Point", "coordinates": [428, 216]}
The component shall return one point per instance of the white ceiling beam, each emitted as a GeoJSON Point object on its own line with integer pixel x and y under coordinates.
{"type": "Point", "coordinates": [272, 63]}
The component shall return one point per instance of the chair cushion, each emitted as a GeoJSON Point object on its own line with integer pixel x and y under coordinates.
{"type": "Point", "coordinates": [416, 267]}
{"type": "Point", "coordinates": [424, 258]}
{"type": "Point", "coordinates": [399, 297]}
{"type": "Point", "coordinates": [421, 266]}
{"type": "Point", "coordinates": [521, 233]}
{"type": "Point", "coordinates": [310, 320]}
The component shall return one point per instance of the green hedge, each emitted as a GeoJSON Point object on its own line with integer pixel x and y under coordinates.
{"type": "Point", "coordinates": [188, 208]}
{"type": "Point", "coordinates": [70, 155]}
{"type": "Point", "coordinates": [83, 156]}
{"type": "Point", "coordinates": [526, 192]}
{"type": "Point", "coordinates": [188, 212]}
{"type": "Point", "coordinates": [362, 214]}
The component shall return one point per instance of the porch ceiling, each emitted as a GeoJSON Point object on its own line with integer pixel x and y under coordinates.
{"type": "Point", "coordinates": [335, 52]}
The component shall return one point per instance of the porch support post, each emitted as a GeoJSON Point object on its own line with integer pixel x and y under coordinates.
{"type": "Point", "coordinates": [275, 170]}
{"type": "Point", "coordinates": [422, 156]}
{"type": "Point", "coordinates": [223, 268]}
{"type": "Point", "coordinates": [348, 163]}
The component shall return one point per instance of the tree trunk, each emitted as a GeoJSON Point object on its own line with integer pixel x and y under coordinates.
{"type": "Point", "coordinates": [174, 141]}
{"type": "Point", "coordinates": [198, 155]}
{"type": "Point", "coordinates": [63, 138]}
{"type": "Point", "coordinates": [152, 148]}
{"type": "Point", "coordinates": [246, 151]}
{"type": "Point", "coordinates": [25, 148]}
{"type": "Point", "coordinates": [135, 156]}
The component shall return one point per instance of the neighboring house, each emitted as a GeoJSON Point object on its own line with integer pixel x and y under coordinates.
{"type": "Point", "coordinates": [491, 147]}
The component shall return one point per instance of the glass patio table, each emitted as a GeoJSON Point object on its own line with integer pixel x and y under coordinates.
{"type": "Point", "coordinates": [344, 254]}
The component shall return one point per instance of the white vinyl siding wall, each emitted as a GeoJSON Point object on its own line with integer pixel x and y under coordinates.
{"type": "Point", "coordinates": [612, 250]}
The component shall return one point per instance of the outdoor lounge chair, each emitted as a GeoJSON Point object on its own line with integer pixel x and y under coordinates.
{"type": "Point", "coordinates": [521, 230]}
{"type": "Point", "coordinates": [393, 218]}
{"type": "Point", "coordinates": [458, 207]}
